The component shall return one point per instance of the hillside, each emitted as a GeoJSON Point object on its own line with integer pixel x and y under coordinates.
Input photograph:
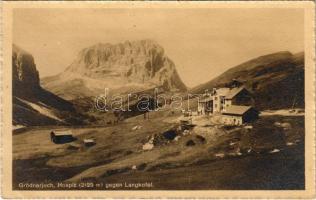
{"type": "Point", "coordinates": [125, 67]}
{"type": "Point", "coordinates": [276, 80]}
{"type": "Point", "coordinates": [32, 105]}
{"type": "Point", "coordinates": [206, 157]}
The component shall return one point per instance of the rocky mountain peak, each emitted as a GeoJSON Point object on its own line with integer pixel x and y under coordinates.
{"type": "Point", "coordinates": [131, 62]}
{"type": "Point", "coordinates": [24, 72]}
{"type": "Point", "coordinates": [101, 57]}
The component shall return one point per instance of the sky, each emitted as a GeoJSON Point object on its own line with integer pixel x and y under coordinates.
{"type": "Point", "coordinates": [202, 42]}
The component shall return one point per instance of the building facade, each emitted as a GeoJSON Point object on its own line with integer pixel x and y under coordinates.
{"type": "Point", "coordinates": [238, 115]}
{"type": "Point", "coordinates": [219, 99]}
{"type": "Point", "coordinates": [205, 106]}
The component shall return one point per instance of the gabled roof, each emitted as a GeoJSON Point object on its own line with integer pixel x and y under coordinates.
{"type": "Point", "coordinates": [233, 92]}
{"type": "Point", "coordinates": [222, 91]}
{"type": "Point", "coordinates": [237, 110]}
{"type": "Point", "coordinates": [62, 132]}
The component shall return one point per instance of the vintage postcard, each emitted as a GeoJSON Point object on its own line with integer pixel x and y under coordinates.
{"type": "Point", "coordinates": [158, 99]}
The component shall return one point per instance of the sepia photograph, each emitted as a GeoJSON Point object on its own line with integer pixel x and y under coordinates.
{"type": "Point", "coordinates": [160, 97]}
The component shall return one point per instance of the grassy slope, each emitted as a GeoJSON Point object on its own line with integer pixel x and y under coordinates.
{"type": "Point", "coordinates": [172, 165]}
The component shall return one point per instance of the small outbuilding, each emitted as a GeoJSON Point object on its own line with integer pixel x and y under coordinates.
{"type": "Point", "coordinates": [238, 115]}
{"type": "Point", "coordinates": [61, 136]}
{"type": "Point", "coordinates": [89, 142]}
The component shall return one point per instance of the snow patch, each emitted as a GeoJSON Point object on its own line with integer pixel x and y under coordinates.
{"type": "Point", "coordinates": [41, 109]}
{"type": "Point", "coordinates": [15, 127]}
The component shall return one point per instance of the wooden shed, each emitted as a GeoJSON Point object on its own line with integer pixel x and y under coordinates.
{"type": "Point", "coordinates": [61, 136]}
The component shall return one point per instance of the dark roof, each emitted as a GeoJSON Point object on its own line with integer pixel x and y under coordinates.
{"type": "Point", "coordinates": [237, 110]}
{"type": "Point", "coordinates": [233, 92]}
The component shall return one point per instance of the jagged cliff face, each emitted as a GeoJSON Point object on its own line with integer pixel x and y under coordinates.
{"type": "Point", "coordinates": [25, 76]}
{"type": "Point", "coordinates": [33, 105]}
{"type": "Point", "coordinates": [135, 66]}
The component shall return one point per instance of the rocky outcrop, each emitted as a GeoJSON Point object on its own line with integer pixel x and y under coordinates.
{"type": "Point", "coordinates": [141, 64]}
{"type": "Point", "coordinates": [25, 77]}
{"type": "Point", "coordinates": [33, 105]}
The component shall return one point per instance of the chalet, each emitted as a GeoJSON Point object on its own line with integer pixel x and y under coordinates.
{"type": "Point", "coordinates": [238, 115]}
{"type": "Point", "coordinates": [61, 136]}
{"type": "Point", "coordinates": [222, 98]}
